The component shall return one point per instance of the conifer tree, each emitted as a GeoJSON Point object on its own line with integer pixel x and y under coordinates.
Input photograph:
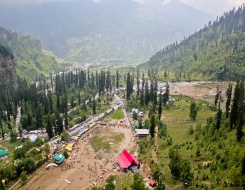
{"type": "Point", "coordinates": [193, 110]}
{"type": "Point", "coordinates": [160, 108]}
{"type": "Point", "coordinates": [143, 81]}
{"type": "Point", "coordinates": [94, 107]}
{"type": "Point", "coordinates": [218, 117]}
{"type": "Point", "coordinates": [152, 126]}
{"type": "Point", "coordinates": [141, 98]}
{"type": "Point", "coordinates": [117, 79]}
{"type": "Point", "coordinates": [228, 101]}
{"type": "Point", "coordinates": [128, 86]}
{"type": "Point", "coordinates": [49, 126]}
{"type": "Point", "coordinates": [240, 118]}
{"type": "Point", "coordinates": [138, 82]}
{"type": "Point", "coordinates": [234, 108]}
{"type": "Point", "coordinates": [147, 93]}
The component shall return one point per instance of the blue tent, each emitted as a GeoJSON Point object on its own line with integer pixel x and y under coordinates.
{"type": "Point", "coordinates": [59, 158]}
{"type": "Point", "coordinates": [33, 138]}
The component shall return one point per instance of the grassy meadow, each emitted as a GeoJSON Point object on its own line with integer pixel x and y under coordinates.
{"type": "Point", "coordinates": [179, 135]}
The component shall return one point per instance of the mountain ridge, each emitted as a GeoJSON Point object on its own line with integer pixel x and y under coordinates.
{"type": "Point", "coordinates": [216, 51]}
{"type": "Point", "coordinates": [99, 32]}
{"type": "Point", "coordinates": [30, 60]}
{"type": "Point", "coordinates": [8, 76]}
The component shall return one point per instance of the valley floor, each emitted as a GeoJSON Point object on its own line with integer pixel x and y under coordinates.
{"type": "Point", "coordinates": [84, 166]}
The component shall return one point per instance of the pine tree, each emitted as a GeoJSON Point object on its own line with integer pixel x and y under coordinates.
{"type": "Point", "coordinates": [152, 126]}
{"type": "Point", "coordinates": [143, 81]}
{"type": "Point", "coordinates": [66, 120]}
{"type": "Point", "coordinates": [138, 82]}
{"type": "Point", "coordinates": [138, 183]}
{"type": "Point", "coordinates": [142, 98]}
{"type": "Point", "coordinates": [128, 86]}
{"type": "Point", "coordinates": [175, 163]}
{"type": "Point", "coordinates": [216, 98]}
{"type": "Point", "coordinates": [243, 166]}
{"type": "Point", "coordinates": [218, 117]}
{"type": "Point", "coordinates": [160, 108]}
{"type": "Point", "coordinates": [49, 126]}
{"type": "Point", "coordinates": [240, 118]}
{"type": "Point", "coordinates": [147, 93]}
{"type": "Point", "coordinates": [234, 108]}
{"type": "Point", "coordinates": [193, 110]}
{"type": "Point", "coordinates": [94, 107]}
{"type": "Point", "coordinates": [228, 101]}
{"type": "Point", "coordinates": [117, 79]}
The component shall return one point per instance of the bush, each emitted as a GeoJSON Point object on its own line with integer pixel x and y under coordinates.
{"type": "Point", "coordinates": [65, 153]}
{"type": "Point", "coordinates": [23, 177]}
{"type": "Point", "coordinates": [191, 130]}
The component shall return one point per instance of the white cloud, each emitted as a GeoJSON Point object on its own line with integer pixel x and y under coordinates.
{"type": "Point", "coordinates": [96, 1]}
{"type": "Point", "coordinates": [214, 7]}
{"type": "Point", "coordinates": [166, 2]}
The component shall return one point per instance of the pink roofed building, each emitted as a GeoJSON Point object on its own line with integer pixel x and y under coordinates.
{"type": "Point", "coordinates": [127, 160]}
{"type": "Point", "coordinates": [152, 183]}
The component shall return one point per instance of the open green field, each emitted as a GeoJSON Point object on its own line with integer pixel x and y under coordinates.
{"type": "Point", "coordinates": [118, 114]}
{"type": "Point", "coordinates": [106, 143]}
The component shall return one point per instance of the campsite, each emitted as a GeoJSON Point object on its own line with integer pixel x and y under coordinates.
{"type": "Point", "coordinates": [84, 165]}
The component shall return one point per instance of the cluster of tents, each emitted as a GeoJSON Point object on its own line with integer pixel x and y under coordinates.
{"type": "Point", "coordinates": [74, 138]}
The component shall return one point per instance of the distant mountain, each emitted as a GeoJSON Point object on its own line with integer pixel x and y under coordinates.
{"type": "Point", "coordinates": [110, 31]}
{"type": "Point", "coordinates": [30, 60]}
{"type": "Point", "coordinates": [216, 52]}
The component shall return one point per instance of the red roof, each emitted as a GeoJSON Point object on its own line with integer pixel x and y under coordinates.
{"type": "Point", "coordinates": [152, 182]}
{"type": "Point", "coordinates": [126, 159]}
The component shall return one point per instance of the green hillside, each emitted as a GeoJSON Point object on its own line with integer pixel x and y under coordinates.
{"type": "Point", "coordinates": [30, 60]}
{"type": "Point", "coordinates": [216, 51]}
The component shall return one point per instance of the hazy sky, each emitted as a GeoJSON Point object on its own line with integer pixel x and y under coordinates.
{"type": "Point", "coordinates": [214, 7]}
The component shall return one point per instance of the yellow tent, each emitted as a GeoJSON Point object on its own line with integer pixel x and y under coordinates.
{"type": "Point", "coordinates": [69, 147]}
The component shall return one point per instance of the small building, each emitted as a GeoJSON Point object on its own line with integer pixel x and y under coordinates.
{"type": "Point", "coordinates": [69, 147]}
{"type": "Point", "coordinates": [3, 153]}
{"type": "Point", "coordinates": [33, 138]}
{"type": "Point", "coordinates": [126, 160]}
{"type": "Point", "coordinates": [152, 183]}
{"type": "Point", "coordinates": [135, 110]}
{"type": "Point", "coordinates": [59, 158]}
{"type": "Point", "coordinates": [142, 133]}
{"type": "Point", "coordinates": [141, 114]}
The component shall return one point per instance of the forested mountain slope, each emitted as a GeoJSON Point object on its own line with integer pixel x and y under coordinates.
{"type": "Point", "coordinates": [217, 51]}
{"type": "Point", "coordinates": [106, 31]}
{"type": "Point", "coordinates": [30, 59]}
{"type": "Point", "coordinates": [8, 77]}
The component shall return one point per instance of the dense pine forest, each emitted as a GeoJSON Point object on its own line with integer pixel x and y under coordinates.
{"type": "Point", "coordinates": [216, 51]}
{"type": "Point", "coordinates": [52, 104]}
